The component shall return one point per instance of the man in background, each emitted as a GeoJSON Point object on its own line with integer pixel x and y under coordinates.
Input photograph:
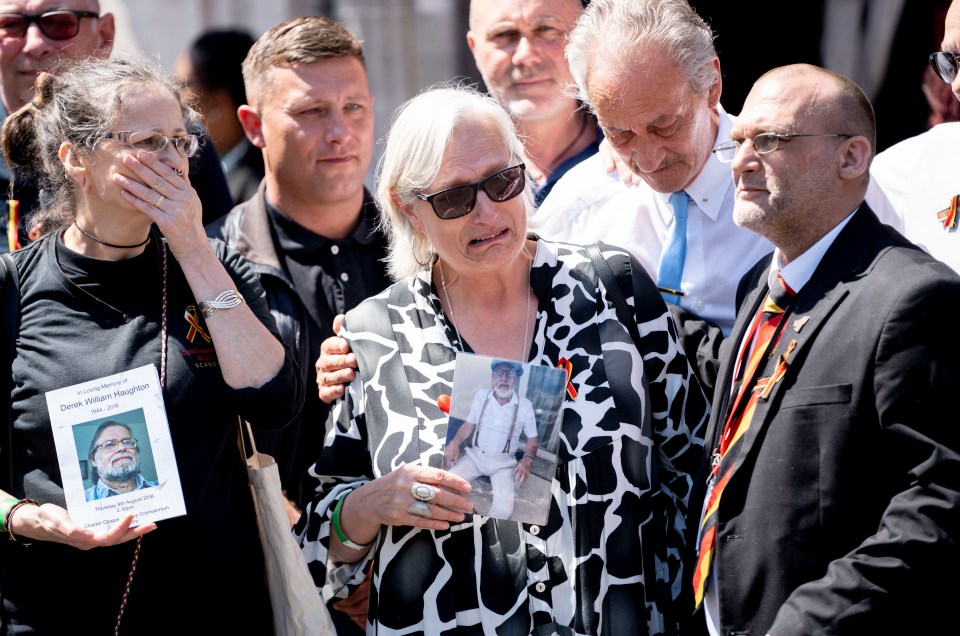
{"type": "Point", "coordinates": [518, 46]}
{"type": "Point", "coordinates": [916, 183]}
{"type": "Point", "coordinates": [211, 69]}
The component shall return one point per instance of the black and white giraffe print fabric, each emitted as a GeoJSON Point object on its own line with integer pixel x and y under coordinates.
{"type": "Point", "coordinates": [584, 571]}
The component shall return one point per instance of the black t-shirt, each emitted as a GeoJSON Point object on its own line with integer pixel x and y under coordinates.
{"type": "Point", "coordinates": [330, 276]}
{"type": "Point", "coordinates": [82, 319]}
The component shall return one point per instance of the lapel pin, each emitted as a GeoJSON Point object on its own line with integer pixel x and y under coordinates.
{"type": "Point", "coordinates": [948, 217]}
{"type": "Point", "coordinates": [799, 323]}
{"type": "Point", "coordinates": [567, 366]}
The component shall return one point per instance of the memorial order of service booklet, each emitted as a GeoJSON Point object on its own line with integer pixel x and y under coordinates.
{"type": "Point", "coordinates": [114, 450]}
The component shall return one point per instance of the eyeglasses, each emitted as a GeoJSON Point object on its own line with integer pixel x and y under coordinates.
{"type": "Point", "coordinates": [61, 24]}
{"type": "Point", "coordinates": [152, 141]}
{"type": "Point", "coordinates": [452, 203]}
{"type": "Point", "coordinates": [110, 445]}
{"type": "Point", "coordinates": [945, 65]}
{"type": "Point", "coordinates": [505, 373]}
{"type": "Point", "coordinates": [763, 143]}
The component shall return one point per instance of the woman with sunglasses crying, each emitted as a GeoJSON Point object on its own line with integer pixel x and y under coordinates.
{"type": "Point", "coordinates": [455, 199]}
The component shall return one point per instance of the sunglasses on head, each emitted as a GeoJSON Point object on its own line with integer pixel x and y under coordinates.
{"type": "Point", "coordinates": [61, 24]}
{"type": "Point", "coordinates": [452, 203]}
{"type": "Point", "coordinates": [944, 63]}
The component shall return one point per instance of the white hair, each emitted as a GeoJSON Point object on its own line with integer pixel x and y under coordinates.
{"type": "Point", "coordinates": [419, 135]}
{"type": "Point", "coordinates": [610, 31]}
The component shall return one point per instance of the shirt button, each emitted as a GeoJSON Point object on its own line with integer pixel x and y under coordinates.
{"type": "Point", "coordinates": [691, 242]}
{"type": "Point", "coordinates": [534, 530]}
{"type": "Point", "coordinates": [700, 305]}
{"type": "Point", "coordinates": [540, 587]}
{"type": "Point", "coordinates": [335, 250]}
{"type": "Point", "coordinates": [344, 277]}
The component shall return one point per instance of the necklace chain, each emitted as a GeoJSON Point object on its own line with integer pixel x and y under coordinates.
{"type": "Point", "coordinates": [121, 247]}
{"type": "Point", "coordinates": [526, 315]}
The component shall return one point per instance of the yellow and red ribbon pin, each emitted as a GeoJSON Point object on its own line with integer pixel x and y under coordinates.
{"type": "Point", "coordinates": [948, 217]}
{"type": "Point", "coordinates": [567, 366]}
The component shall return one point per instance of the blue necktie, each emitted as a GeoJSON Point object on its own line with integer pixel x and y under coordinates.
{"type": "Point", "coordinates": [670, 271]}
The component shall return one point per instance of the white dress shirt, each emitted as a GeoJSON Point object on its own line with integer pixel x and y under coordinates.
{"type": "Point", "coordinates": [914, 180]}
{"type": "Point", "coordinates": [589, 204]}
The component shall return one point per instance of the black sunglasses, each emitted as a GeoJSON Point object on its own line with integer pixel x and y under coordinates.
{"type": "Point", "coordinates": [452, 203]}
{"type": "Point", "coordinates": [61, 24]}
{"type": "Point", "coordinates": [945, 65]}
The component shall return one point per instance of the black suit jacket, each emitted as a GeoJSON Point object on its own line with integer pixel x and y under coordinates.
{"type": "Point", "coordinates": [843, 513]}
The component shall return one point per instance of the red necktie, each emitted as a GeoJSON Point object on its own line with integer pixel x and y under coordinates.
{"type": "Point", "coordinates": [765, 328]}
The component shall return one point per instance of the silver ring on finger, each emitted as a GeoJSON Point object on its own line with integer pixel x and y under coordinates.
{"type": "Point", "coordinates": [419, 509]}
{"type": "Point", "coordinates": [159, 201]}
{"type": "Point", "coordinates": [179, 172]}
{"type": "Point", "coordinates": [423, 492]}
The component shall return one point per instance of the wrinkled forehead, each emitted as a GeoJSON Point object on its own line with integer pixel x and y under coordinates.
{"type": "Point", "coordinates": [114, 432]}
{"type": "Point", "coordinates": [774, 105]}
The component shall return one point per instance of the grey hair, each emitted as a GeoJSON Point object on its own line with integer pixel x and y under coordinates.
{"type": "Point", "coordinates": [78, 104]}
{"type": "Point", "coordinates": [422, 129]}
{"type": "Point", "coordinates": [609, 31]}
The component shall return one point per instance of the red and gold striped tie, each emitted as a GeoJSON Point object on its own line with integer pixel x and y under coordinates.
{"type": "Point", "coordinates": [766, 332]}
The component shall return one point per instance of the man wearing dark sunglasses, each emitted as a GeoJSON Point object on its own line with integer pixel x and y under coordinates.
{"type": "Point", "coordinates": [39, 35]}
{"type": "Point", "coordinates": [914, 185]}
{"type": "Point", "coordinates": [35, 36]}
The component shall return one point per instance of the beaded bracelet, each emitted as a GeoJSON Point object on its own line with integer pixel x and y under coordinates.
{"type": "Point", "coordinates": [5, 506]}
{"type": "Point", "coordinates": [335, 520]}
{"type": "Point", "coordinates": [226, 300]}
{"type": "Point", "coordinates": [8, 517]}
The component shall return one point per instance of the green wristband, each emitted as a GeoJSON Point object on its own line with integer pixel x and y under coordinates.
{"type": "Point", "coordinates": [335, 520]}
{"type": "Point", "coordinates": [5, 507]}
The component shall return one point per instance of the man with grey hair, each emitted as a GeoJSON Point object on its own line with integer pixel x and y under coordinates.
{"type": "Point", "coordinates": [649, 71]}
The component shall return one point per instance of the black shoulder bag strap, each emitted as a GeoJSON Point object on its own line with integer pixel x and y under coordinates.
{"type": "Point", "coordinates": [628, 317]}
{"type": "Point", "coordinates": [10, 299]}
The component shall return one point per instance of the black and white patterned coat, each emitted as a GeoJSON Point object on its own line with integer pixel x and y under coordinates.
{"type": "Point", "coordinates": [584, 571]}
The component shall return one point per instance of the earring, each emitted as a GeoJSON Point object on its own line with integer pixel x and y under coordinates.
{"type": "Point", "coordinates": [422, 244]}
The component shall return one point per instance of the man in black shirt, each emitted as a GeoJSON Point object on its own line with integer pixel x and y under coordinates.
{"type": "Point", "coordinates": [310, 231]}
